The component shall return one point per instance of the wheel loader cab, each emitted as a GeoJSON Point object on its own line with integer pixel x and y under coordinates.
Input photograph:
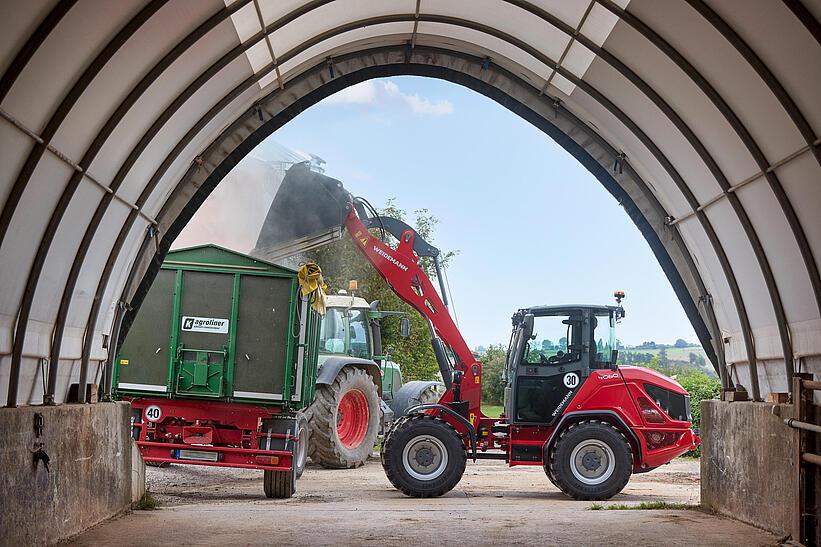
{"type": "Point", "coordinates": [552, 351]}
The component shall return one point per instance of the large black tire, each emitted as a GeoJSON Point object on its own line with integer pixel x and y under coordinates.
{"type": "Point", "coordinates": [335, 442]}
{"type": "Point", "coordinates": [591, 460]}
{"type": "Point", "coordinates": [279, 484]}
{"type": "Point", "coordinates": [414, 393]}
{"type": "Point", "coordinates": [432, 394]}
{"type": "Point", "coordinates": [423, 456]}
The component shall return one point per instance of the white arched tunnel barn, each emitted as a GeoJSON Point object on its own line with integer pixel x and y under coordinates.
{"type": "Point", "coordinates": [701, 117]}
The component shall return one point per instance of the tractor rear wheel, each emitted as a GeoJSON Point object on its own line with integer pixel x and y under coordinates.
{"type": "Point", "coordinates": [423, 456]}
{"type": "Point", "coordinates": [344, 420]}
{"type": "Point", "coordinates": [591, 460]}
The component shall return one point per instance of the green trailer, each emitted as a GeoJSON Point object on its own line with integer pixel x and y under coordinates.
{"type": "Point", "coordinates": [218, 363]}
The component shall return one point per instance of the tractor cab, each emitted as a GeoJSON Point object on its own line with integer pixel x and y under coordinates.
{"type": "Point", "coordinates": [552, 351]}
{"type": "Point", "coordinates": [351, 327]}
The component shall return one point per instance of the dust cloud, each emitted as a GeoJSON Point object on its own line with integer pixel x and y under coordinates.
{"type": "Point", "coordinates": [234, 213]}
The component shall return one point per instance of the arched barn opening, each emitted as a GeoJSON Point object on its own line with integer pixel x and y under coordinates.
{"type": "Point", "coordinates": [701, 118]}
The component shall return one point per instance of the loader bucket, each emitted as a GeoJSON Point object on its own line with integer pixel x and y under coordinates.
{"type": "Point", "coordinates": [307, 212]}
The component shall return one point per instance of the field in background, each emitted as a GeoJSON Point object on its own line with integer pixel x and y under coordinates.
{"type": "Point", "coordinates": [673, 354]}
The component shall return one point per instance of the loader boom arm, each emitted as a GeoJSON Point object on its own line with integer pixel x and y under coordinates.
{"type": "Point", "coordinates": [401, 271]}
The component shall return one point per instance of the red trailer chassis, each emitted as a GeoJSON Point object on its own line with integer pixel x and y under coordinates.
{"type": "Point", "coordinates": [209, 433]}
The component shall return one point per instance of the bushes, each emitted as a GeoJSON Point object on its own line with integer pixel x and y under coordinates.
{"type": "Point", "coordinates": [700, 387]}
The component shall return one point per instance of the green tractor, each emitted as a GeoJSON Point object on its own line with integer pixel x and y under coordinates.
{"type": "Point", "coordinates": [348, 413]}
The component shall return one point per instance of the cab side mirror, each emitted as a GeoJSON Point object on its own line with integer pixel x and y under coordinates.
{"type": "Point", "coordinates": [404, 327]}
{"type": "Point", "coordinates": [528, 325]}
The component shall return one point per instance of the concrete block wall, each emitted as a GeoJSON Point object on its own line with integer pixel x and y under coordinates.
{"type": "Point", "coordinates": [748, 463]}
{"type": "Point", "coordinates": [90, 477]}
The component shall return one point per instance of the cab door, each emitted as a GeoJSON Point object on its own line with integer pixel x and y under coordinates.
{"type": "Point", "coordinates": [552, 366]}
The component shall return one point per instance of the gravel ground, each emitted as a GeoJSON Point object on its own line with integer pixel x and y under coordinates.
{"type": "Point", "coordinates": [492, 505]}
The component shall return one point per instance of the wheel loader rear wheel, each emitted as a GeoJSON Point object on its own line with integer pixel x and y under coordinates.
{"type": "Point", "coordinates": [344, 420]}
{"type": "Point", "coordinates": [591, 460]}
{"type": "Point", "coordinates": [423, 456]}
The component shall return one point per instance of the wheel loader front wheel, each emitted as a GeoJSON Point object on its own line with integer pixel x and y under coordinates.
{"type": "Point", "coordinates": [423, 456]}
{"type": "Point", "coordinates": [344, 420]}
{"type": "Point", "coordinates": [591, 460]}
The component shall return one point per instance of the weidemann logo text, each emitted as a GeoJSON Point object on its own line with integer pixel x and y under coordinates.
{"type": "Point", "coordinates": [398, 264]}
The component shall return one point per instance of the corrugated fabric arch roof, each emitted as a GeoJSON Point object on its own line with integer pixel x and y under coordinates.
{"type": "Point", "coordinates": [118, 118]}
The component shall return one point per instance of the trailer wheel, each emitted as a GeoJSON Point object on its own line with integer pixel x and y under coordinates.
{"type": "Point", "coordinates": [344, 420]}
{"type": "Point", "coordinates": [591, 460]}
{"type": "Point", "coordinates": [279, 484]}
{"type": "Point", "coordinates": [301, 448]}
{"type": "Point", "coordinates": [423, 456]}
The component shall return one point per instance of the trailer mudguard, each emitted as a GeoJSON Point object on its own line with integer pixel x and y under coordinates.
{"type": "Point", "coordinates": [329, 370]}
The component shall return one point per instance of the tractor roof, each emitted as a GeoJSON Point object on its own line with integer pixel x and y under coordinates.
{"type": "Point", "coordinates": [345, 301]}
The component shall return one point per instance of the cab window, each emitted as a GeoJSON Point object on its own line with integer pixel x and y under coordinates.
{"type": "Point", "coordinates": [359, 334]}
{"type": "Point", "coordinates": [557, 339]}
{"type": "Point", "coordinates": [604, 338]}
{"type": "Point", "coordinates": [332, 332]}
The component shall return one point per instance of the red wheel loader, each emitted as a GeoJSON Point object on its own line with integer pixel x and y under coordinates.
{"type": "Point", "coordinates": [569, 407]}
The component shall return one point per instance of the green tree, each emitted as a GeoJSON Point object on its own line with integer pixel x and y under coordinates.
{"type": "Point", "coordinates": [493, 367]}
{"type": "Point", "coordinates": [663, 360]}
{"type": "Point", "coordinates": [341, 261]}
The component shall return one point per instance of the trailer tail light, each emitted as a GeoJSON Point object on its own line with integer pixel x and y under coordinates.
{"type": "Point", "coordinates": [197, 455]}
{"type": "Point", "coordinates": [651, 415]}
{"type": "Point", "coordinates": [267, 460]}
{"type": "Point", "coordinates": [660, 439]}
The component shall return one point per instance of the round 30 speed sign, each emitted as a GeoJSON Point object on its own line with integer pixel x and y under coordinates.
{"type": "Point", "coordinates": [571, 380]}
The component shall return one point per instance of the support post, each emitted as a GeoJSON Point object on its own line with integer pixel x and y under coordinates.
{"type": "Point", "coordinates": [801, 412]}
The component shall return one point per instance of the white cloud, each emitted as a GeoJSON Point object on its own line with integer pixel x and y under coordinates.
{"type": "Point", "coordinates": [387, 93]}
{"type": "Point", "coordinates": [424, 106]}
{"type": "Point", "coordinates": [361, 93]}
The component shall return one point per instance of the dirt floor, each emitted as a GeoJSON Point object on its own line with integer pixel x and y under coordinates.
{"type": "Point", "coordinates": [493, 505]}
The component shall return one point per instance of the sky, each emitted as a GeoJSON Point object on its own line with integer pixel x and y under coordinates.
{"type": "Point", "coordinates": [531, 225]}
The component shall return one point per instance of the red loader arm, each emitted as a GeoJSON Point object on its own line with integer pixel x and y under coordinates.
{"type": "Point", "coordinates": [400, 269]}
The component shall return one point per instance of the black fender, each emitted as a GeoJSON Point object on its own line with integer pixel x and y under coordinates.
{"type": "Point", "coordinates": [608, 416]}
{"type": "Point", "coordinates": [329, 370]}
{"type": "Point", "coordinates": [408, 395]}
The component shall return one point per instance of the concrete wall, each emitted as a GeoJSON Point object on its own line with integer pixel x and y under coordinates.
{"type": "Point", "coordinates": [748, 467]}
{"type": "Point", "coordinates": [90, 450]}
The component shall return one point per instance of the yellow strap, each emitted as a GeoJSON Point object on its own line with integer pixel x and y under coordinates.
{"type": "Point", "coordinates": [312, 286]}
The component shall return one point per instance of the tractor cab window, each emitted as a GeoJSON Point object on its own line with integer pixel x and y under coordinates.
{"type": "Point", "coordinates": [332, 332]}
{"type": "Point", "coordinates": [359, 334]}
{"type": "Point", "coordinates": [604, 338]}
{"type": "Point", "coordinates": [556, 340]}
